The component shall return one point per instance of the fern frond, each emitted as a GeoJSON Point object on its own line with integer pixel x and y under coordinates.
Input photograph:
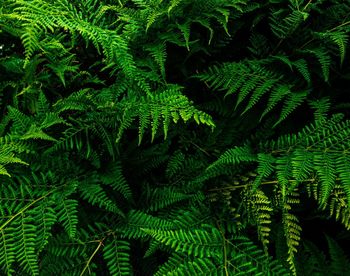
{"type": "Point", "coordinates": [198, 266]}
{"type": "Point", "coordinates": [338, 206]}
{"type": "Point", "coordinates": [45, 217]}
{"type": "Point", "coordinates": [193, 242]}
{"type": "Point", "coordinates": [326, 171]}
{"type": "Point", "coordinates": [159, 109]}
{"type": "Point", "coordinates": [292, 232]}
{"type": "Point", "coordinates": [67, 215]}
{"type": "Point", "coordinates": [116, 254]}
{"type": "Point", "coordinates": [303, 69]}
{"type": "Point", "coordinates": [291, 103]}
{"type": "Point", "coordinates": [343, 163]}
{"type": "Point", "coordinates": [114, 177]}
{"type": "Point", "coordinates": [7, 252]}
{"type": "Point", "coordinates": [8, 150]}
{"type": "Point", "coordinates": [256, 79]}
{"type": "Point", "coordinates": [259, 208]}
{"type": "Point", "coordinates": [234, 156]}
{"type": "Point", "coordinates": [23, 233]}
{"type": "Point", "coordinates": [247, 258]}
{"type": "Point", "coordinates": [96, 195]}
{"type": "Point", "coordinates": [324, 59]}
{"type": "Point", "coordinates": [340, 263]}
{"type": "Point", "coordinates": [288, 25]}
{"type": "Point", "coordinates": [265, 168]}
{"type": "Point", "coordinates": [162, 198]}
{"type": "Point", "coordinates": [173, 262]}
{"type": "Point", "coordinates": [277, 95]}
{"type": "Point", "coordinates": [339, 38]}
{"type": "Point", "coordinates": [321, 108]}
{"type": "Point", "coordinates": [138, 220]}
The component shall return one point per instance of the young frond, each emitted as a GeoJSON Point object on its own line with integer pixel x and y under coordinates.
{"type": "Point", "coordinates": [259, 210]}
{"type": "Point", "coordinates": [292, 232]}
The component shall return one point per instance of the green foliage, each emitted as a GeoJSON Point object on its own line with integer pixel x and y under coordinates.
{"type": "Point", "coordinates": [142, 137]}
{"type": "Point", "coordinates": [316, 262]}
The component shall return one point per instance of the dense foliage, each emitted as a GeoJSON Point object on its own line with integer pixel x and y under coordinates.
{"type": "Point", "coordinates": [180, 137]}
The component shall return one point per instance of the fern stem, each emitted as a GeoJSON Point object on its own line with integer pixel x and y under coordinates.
{"type": "Point", "coordinates": [224, 248]}
{"type": "Point", "coordinates": [262, 183]}
{"type": "Point", "coordinates": [201, 149]}
{"type": "Point", "coordinates": [333, 29]}
{"type": "Point", "coordinates": [308, 3]}
{"type": "Point", "coordinates": [23, 210]}
{"type": "Point", "coordinates": [339, 26]}
{"type": "Point", "coordinates": [92, 256]}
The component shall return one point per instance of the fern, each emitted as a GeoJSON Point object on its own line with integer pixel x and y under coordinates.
{"type": "Point", "coordinates": [259, 208]}
{"type": "Point", "coordinates": [7, 253]}
{"type": "Point", "coordinates": [67, 214]}
{"type": "Point", "coordinates": [7, 154]}
{"type": "Point", "coordinates": [253, 78]}
{"type": "Point", "coordinates": [318, 262]}
{"type": "Point", "coordinates": [340, 262]}
{"type": "Point", "coordinates": [292, 233]}
{"type": "Point", "coordinates": [197, 242]}
{"type": "Point", "coordinates": [197, 267]}
{"type": "Point", "coordinates": [289, 24]}
{"type": "Point", "coordinates": [154, 137]}
{"type": "Point", "coordinates": [117, 257]}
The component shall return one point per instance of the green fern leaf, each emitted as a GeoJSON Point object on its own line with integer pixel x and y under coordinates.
{"type": "Point", "coordinates": [199, 266]}
{"type": "Point", "coordinates": [193, 242]}
{"type": "Point", "coordinates": [24, 233]}
{"type": "Point", "coordinates": [343, 170]}
{"type": "Point", "coordinates": [138, 220]}
{"type": "Point", "coordinates": [341, 40]}
{"type": "Point", "coordinates": [114, 177]}
{"type": "Point", "coordinates": [45, 218]}
{"type": "Point", "coordinates": [116, 254]}
{"type": "Point", "coordinates": [291, 103]}
{"type": "Point", "coordinates": [277, 95]}
{"type": "Point", "coordinates": [67, 215]}
{"type": "Point", "coordinates": [7, 253]}
{"type": "Point", "coordinates": [95, 195]}
{"type": "Point", "coordinates": [234, 156]}
{"type": "Point", "coordinates": [173, 262]}
{"type": "Point", "coordinates": [265, 168]}
{"type": "Point", "coordinates": [185, 30]}
{"type": "Point", "coordinates": [303, 69]}
{"type": "Point", "coordinates": [325, 167]}
{"type": "Point", "coordinates": [340, 263]}
{"type": "Point", "coordinates": [292, 233]}
{"type": "Point", "coordinates": [324, 59]}
{"type": "Point", "coordinates": [259, 208]}
{"type": "Point", "coordinates": [302, 164]}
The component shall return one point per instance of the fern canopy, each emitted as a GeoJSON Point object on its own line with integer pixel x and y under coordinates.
{"type": "Point", "coordinates": [142, 137]}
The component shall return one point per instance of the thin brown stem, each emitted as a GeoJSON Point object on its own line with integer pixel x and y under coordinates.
{"type": "Point", "coordinates": [92, 256]}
